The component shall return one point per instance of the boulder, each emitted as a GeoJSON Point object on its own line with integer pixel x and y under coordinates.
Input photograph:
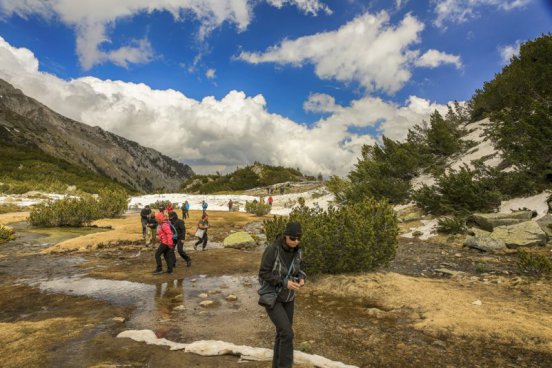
{"type": "Point", "coordinates": [545, 224]}
{"type": "Point", "coordinates": [488, 221]}
{"type": "Point", "coordinates": [240, 240]}
{"type": "Point", "coordinates": [409, 214]}
{"type": "Point", "coordinates": [482, 240]}
{"type": "Point", "coordinates": [524, 234]}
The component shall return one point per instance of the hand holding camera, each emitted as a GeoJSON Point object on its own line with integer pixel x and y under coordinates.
{"type": "Point", "coordinates": [295, 283]}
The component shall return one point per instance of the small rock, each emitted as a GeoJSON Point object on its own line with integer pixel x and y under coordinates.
{"type": "Point", "coordinates": [446, 271]}
{"type": "Point", "coordinates": [203, 295]}
{"type": "Point", "coordinates": [203, 313]}
{"type": "Point", "coordinates": [401, 346]}
{"type": "Point", "coordinates": [119, 319]}
{"type": "Point", "coordinates": [477, 302]}
{"type": "Point", "coordinates": [231, 298]}
{"type": "Point", "coordinates": [440, 344]}
{"type": "Point", "coordinates": [193, 280]}
{"type": "Point", "coordinates": [207, 303]}
{"type": "Point", "coordinates": [180, 308]}
{"type": "Point", "coordinates": [457, 255]}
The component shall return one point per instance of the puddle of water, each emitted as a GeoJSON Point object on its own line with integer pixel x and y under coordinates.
{"type": "Point", "coordinates": [156, 303]}
{"type": "Point", "coordinates": [46, 236]}
{"type": "Point", "coordinates": [115, 292]}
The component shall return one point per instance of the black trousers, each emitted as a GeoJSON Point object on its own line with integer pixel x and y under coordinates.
{"type": "Point", "coordinates": [182, 252]}
{"type": "Point", "coordinates": [202, 240]}
{"type": "Point", "coordinates": [282, 317]}
{"type": "Point", "coordinates": [144, 226]}
{"type": "Point", "coordinates": [168, 254]}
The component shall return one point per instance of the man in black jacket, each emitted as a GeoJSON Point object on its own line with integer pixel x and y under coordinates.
{"type": "Point", "coordinates": [181, 235]}
{"type": "Point", "coordinates": [144, 215]}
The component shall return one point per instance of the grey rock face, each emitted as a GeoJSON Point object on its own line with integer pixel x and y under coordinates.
{"type": "Point", "coordinates": [488, 221]}
{"type": "Point", "coordinates": [484, 242]}
{"type": "Point", "coordinates": [525, 234]}
{"type": "Point", "coordinates": [25, 121]}
{"type": "Point", "coordinates": [545, 224]}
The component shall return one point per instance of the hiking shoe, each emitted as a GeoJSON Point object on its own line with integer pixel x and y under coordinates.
{"type": "Point", "coordinates": [189, 263]}
{"type": "Point", "coordinates": [157, 272]}
{"type": "Point", "coordinates": [169, 272]}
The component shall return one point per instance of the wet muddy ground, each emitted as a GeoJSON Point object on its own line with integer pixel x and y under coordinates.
{"type": "Point", "coordinates": [66, 310]}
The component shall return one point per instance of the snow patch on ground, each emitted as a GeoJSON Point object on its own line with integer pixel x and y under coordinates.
{"type": "Point", "coordinates": [215, 348]}
{"type": "Point", "coordinates": [427, 230]}
{"type": "Point", "coordinates": [282, 204]}
{"type": "Point", "coordinates": [29, 199]}
{"type": "Point", "coordinates": [536, 203]}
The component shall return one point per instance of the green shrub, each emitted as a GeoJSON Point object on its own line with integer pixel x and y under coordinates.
{"type": "Point", "coordinates": [354, 238]}
{"type": "Point", "coordinates": [78, 211]}
{"type": "Point", "coordinates": [519, 103]}
{"type": "Point", "coordinates": [534, 264]}
{"type": "Point", "coordinates": [257, 208]}
{"type": "Point", "coordinates": [383, 171]}
{"type": "Point", "coordinates": [65, 212]}
{"type": "Point", "coordinates": [451, 225]}
{"type": "Point", "coordinates": [158, 204]}
{"type": "Point", "coordinates": [459, 192]}
{"type": "Point", "coordinates": [338, 187]}
{"type": "Point", "coordinates": [112, 203]}
{"type": "Point", "coordinates": [6, 233]}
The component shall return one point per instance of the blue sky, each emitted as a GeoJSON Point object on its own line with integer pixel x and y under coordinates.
{"type": "Point", "coordinates": [327, 76]}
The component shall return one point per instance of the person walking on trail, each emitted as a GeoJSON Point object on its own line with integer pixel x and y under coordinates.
{"type": "Point", "coordinates": [170, 207]}
{"type": "Point", "coordinates": [144, 215]}
{"type": "Point", "coordinates": [204, 206]}
{"type": "Point", "coordinates": [270, 201]}
{"type": "Point", "coordinates": [230, 205]}
{"type": "Point", "coordinates": [280, 275]}
{"type": "Point", "coordinates": [151, 230]}
{"type": "Point", "coordinates": [165, 236]}
{"type": "Point", "coordinates": [162, 210]}
{"type": "Point", "coordinates": [180, 228]}
{"type": "Point", "coordinates": [185, 208]}
{"type": "Point", "coordinates": [201, 232]}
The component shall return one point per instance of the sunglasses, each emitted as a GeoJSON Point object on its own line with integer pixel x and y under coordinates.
{"type": "Point", "coordinates": [294, 238]}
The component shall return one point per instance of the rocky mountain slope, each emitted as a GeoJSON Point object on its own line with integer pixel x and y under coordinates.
{"type": "Point", "coordinates": [25, 121]}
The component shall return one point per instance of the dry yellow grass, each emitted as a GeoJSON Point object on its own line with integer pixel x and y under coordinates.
{"type": "Point", "coordinates": [8, 218]}
{"type": "Point", "coordinates": [446, 306]}
{"type": "Point", "coordinates": [26, 344]}
{"type": "Point", "coordinates": [128, 229]}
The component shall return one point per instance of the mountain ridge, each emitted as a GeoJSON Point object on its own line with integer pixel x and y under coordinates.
{"type": "Point", "coordinates": [25, 121]}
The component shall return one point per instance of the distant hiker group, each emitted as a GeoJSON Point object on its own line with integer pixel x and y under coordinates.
{"type": "Point", "coordinates": [170, 231]}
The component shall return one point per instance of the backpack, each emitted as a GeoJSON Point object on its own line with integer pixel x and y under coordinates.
{"type": "Point", "coordinates": [174, 232]}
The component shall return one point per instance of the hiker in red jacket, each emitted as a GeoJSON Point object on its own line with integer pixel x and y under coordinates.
{"type": "Point", "coordinates": [166, 245]}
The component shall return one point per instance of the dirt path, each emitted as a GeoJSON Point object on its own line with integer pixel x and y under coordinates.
{"type": "Point", "coordinates": [61, 307]}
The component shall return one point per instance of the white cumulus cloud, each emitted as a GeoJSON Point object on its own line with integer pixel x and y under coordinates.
{"type": "Point", "coordinates": [235, 130]}
{"type": "Point", "coordinates": [433, 59]}
{"type": "Point", "coordinates": [368, 50]}
{"type": "Point", "coordinates": [509, 51]}
{"type": "Point", "coordinates": [460, 11]}
{"type": "Point", "coordinates": [312, 7]}
{"type": "Point", "coordinates": [93, 20]}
